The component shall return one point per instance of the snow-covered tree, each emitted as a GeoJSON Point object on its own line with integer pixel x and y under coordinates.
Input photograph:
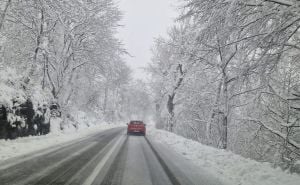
{"type": "Point", "coordinates": [66, 53]}
{"type": "Point", "coordinates": [237, 66]}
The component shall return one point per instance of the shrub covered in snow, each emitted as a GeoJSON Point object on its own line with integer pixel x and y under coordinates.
{"type": "Point", "coordinates": [22, 112]}
{"type": "Point", "coordinates": [11, 88]}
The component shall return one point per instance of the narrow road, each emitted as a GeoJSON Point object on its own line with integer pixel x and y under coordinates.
{"type": "Point", "coordinates": [136, 164]}
{"type": "Point", "coordinates": [107, 158]}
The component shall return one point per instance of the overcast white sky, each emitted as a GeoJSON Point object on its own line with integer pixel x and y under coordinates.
{"type": "Point", "coordinates": [143, 21]}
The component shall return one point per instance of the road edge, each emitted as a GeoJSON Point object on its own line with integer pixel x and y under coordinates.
{"type": "Point", "coordinates": [23, 157]}
{"type": "Point", "coordinates": [166, 166]}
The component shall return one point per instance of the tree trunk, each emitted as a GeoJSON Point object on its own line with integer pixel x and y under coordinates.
{"type": "Point", "coordinates": [4, 13]}
{"type": "Point", "coordinates": [105, 99]}
{"type": "Point", "coordinates": [157, 116]}
{"type": "Point", "coordinates": [170, 107]}
{"type": "Point", "coordinates": [224, 134]}
{"type": "Point", "coordinates": [215, 110]}
{"type": "Point", "coordinates": [38, 45]}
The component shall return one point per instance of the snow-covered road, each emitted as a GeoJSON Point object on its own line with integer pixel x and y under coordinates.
{"type": "Point", "coordinates": [109, 157]}
{"type": "Point", "coordinates": [61, 165]}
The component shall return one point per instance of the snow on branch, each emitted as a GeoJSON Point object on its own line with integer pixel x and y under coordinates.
{"type": "Point", "coordinates": [281, 2]}
{"type": "Point", "coordinates": [276, 132]}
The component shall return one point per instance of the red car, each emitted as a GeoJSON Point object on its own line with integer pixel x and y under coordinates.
{"type": "Point", "coordinates": [136, 127]}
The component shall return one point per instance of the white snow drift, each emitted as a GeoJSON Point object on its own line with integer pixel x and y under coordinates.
{"type": "Point", "coordinates": [227, 166]}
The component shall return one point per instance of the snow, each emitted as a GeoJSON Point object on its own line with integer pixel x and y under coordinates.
{"type": "Point", "coordinates": [10, 87]}
{"type": "Point", "coordinates": [227, 166]}
{"type": "Point", "coordinates": [26, 145]}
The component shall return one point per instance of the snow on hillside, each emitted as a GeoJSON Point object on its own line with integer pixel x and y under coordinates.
{"type": "Point", "coordinates": [226, 165]}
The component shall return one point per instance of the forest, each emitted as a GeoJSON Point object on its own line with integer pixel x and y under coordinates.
{"type": "Point", "coordinates": [60, 58]}
{"type": "Point", "coordinates": [228, 75]}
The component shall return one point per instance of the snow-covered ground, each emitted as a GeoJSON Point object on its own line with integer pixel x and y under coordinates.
{"type": "Point", "coordinates": [26, 145]}
{"type": "Point", "coordinates": [227, 166]}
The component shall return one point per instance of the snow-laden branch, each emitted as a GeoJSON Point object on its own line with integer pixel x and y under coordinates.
{"type": "Point", "coordinates": [276, 132]}
{"type": "Point", "coordinates": [4, 13]}
{"type": "Point", "coordinates": [281, 2]}
{"type": "Point", "coordinates": [245, 92]}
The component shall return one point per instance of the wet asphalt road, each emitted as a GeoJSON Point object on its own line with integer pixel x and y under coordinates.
{"type": "Point", "coordinates": [107, 158]}
{"type": "Point", "coordinates": [136, 164]}
{"type": "Point", "coordinates": [133, 163]}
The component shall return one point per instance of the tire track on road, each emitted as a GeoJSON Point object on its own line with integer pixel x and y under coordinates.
{"type": "Point", "coordinates": [66, 170]}
{"type": "Point", "coordinates": [24, 171]}
{"type": "Point", "coordinates": [166, 168]}
{"type": "Point", "coordinates": [115, 173]}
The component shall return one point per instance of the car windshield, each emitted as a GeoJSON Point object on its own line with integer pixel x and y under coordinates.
{"type": "Point", "coordinates": [136, 122]}
{"type": "Point", "coordinates": [150, 92]}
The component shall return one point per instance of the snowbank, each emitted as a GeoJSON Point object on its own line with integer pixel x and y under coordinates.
{"type": "Point", "coordinates": [25, 145]}
{"type": "Point", "coordinates": [226, 165]}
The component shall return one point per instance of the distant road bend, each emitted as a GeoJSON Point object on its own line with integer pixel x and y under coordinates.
{"type": "Point", "coordinates": [107, 158]}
